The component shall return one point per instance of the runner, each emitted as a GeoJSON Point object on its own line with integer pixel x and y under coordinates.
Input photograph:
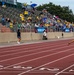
{"type": "Point", "coordinates": [18, 36]}
{"type": "Point", "coordinates": [70, 42]}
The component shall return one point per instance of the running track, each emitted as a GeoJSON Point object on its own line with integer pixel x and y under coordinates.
{"type": "Point", "coordinates": [45, 58]}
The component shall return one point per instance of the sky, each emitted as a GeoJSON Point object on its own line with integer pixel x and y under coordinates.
{"type": "Point", "coordinates": [69, 3]}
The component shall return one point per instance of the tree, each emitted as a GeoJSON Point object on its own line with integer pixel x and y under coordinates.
{"type": "Point", "coordinates": [63, 12]}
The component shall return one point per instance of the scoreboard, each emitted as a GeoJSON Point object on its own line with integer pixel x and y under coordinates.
{"type": "Point", "coordinates": [9, 1]}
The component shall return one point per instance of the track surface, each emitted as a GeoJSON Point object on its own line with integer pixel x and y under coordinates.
{"type": "Point", "coordinates": [45, 58]}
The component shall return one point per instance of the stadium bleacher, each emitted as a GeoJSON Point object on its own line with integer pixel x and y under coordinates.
{"type": "Point", "coordinates": [28, 17]}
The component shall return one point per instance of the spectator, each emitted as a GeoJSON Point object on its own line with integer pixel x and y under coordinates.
{"type": "Point", "coordinates": [3, 21]}
{"type": "Point", "coordinates": [19, 25]}
{"type": "Point", "coordinates": [44, 35]}
{"type": "Point", "coordinates": [62, 35]}
{"type": "Point", "coordinates": [36, 26]}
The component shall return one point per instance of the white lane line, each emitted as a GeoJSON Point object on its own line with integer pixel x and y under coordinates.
{"type": "Point", "coordinates": [37, 49]}
{"type": "Point", "coordinates": [27, 43]}
{"type": "Point", "coordinates": [26, 48]}
{"type": "Point", "coordinates": [18, 71]}
{"type": "Point", "coordinates": [18, 46]}
{"type": "Point", "coordinates": [36, 42]}
{"type": "Point", "coordinates": [45, 64]}
{"type": "Point", "coordinates": [10, 72]}
{"type": "Point", "coordinates": [64, 69]}
{"type": "Point", "coordinates": [37, 46]}
{"type": "Point", "coordinates": [38, 53]}
{"type": "Point", "coordinates": [37, 58]}
{"type": "Point", "coordinates": [12, 48]}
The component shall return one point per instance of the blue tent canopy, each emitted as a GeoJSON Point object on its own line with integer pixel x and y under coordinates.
{"type": "Point", "coordinates": [3, 2]}
{"type": "Point", "coordinates": [33, 5]}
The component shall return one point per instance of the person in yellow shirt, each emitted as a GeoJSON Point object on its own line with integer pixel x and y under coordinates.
{"type": "Point", "coordinates": [11, 26]}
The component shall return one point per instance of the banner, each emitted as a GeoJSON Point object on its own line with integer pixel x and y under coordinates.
{"type": "Point", "coordinates": [41, 29]}
{"type": "Point", "coordinates": [67, 30]}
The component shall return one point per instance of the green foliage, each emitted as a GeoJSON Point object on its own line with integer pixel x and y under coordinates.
{"type": "Point", "coordinates": [63, 12]}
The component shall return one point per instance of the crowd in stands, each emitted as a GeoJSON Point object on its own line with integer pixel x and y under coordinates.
{"type": "Point", "coordinates": [31, 19]}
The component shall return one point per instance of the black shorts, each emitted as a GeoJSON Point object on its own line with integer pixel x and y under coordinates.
{"type": "Point", "coordinates": [18, 37]}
